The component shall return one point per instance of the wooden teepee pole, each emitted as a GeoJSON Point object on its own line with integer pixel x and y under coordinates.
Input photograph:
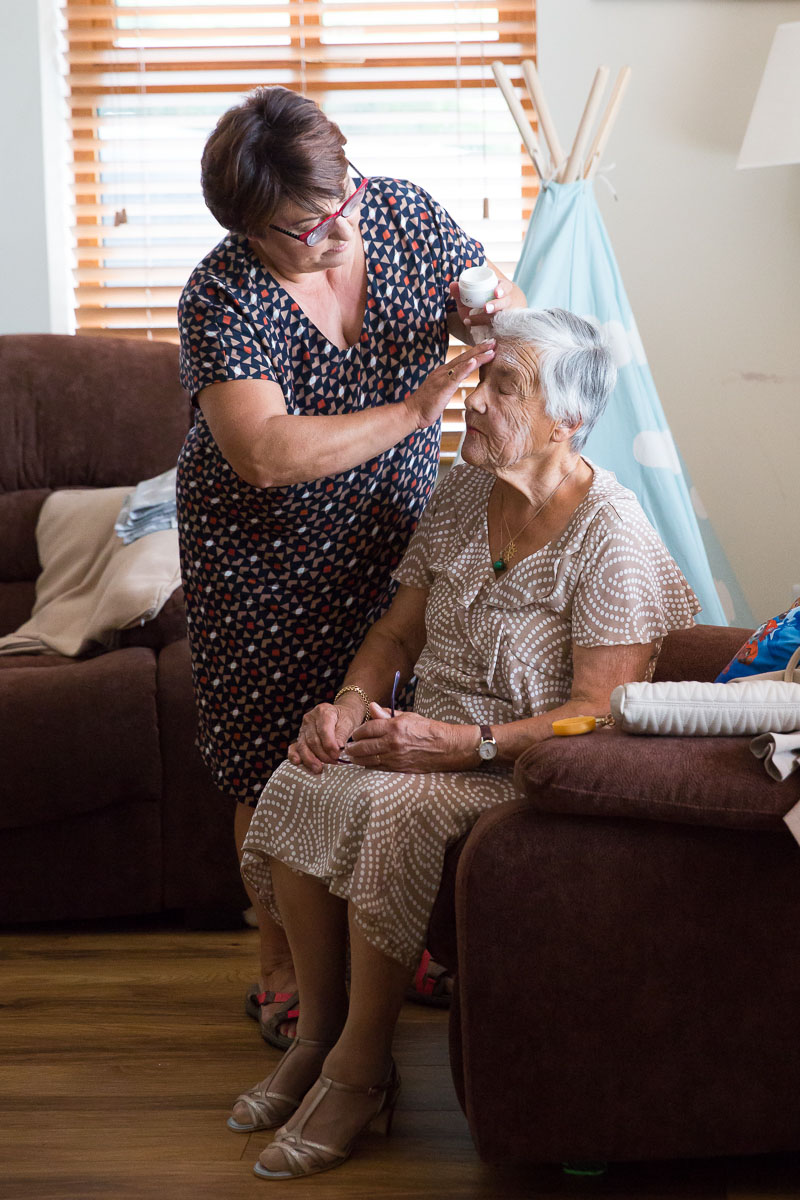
{"type": "Point", "coordinates": [536, 93]}
{"type": "Point", "coordinates": [607, 124]}
{"type": "Point", "coordinates": [575, 160]}
{"type": "Point", "coordinates": [526, 132]}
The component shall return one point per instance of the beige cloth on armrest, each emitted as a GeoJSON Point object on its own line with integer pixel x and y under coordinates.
{"type": "Point", "coordinates": [780, 752]}
{"type": "Point", "coordinates": [781, 755]}
{"type": "Point", "coordinates": [92, 585]}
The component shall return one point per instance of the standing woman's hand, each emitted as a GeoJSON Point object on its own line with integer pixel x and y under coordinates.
{"type": "Point", "coordinates": [429, 401]}
{"type": "Point", "coordinates": [506, 295]}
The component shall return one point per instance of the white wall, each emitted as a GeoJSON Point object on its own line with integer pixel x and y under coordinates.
{"type": "Point", "coordinates": [34, 280]}
{"type": "Point", "coordinates": [710, 256]}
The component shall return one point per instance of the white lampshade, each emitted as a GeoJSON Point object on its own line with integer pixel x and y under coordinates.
{"type": "Point", "coordinates": [773, 135]}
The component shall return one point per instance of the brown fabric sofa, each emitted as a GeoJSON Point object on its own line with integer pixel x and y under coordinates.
{"type": "Point", "coordinates": [626, 936]}
{"type": "Point", "coordinates": [106, 808]}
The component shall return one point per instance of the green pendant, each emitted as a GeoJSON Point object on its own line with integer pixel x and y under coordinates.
{"type": "Point", "coordinates": [499, 566]}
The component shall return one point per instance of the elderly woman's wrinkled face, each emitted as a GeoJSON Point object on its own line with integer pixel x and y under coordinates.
{"type": "Point", "coordinates": [505, 415]}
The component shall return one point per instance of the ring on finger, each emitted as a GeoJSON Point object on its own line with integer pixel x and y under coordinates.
{"type": "Point", "coordinates": [451, 372]}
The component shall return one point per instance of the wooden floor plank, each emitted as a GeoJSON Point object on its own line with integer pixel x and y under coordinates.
{"type": "Point", "coordinates": [121, 1052]}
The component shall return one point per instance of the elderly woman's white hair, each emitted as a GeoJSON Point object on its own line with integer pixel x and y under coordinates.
{"type": "Point", "coordinates": [576, 370]}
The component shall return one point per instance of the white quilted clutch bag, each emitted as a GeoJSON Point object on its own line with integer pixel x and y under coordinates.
{"type": "Point", "coordinates": [688, 709]}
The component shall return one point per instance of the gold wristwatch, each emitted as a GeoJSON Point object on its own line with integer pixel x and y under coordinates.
{"type": "Point", "coordinates": [487, 746]}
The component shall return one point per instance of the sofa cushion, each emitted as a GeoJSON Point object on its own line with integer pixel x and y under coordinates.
{"type": "Point", "coordinates": [105, 863]}
{"type": "Point", "coordinates": [13, 662]}
{"type": "Point", "coordinates": [19, 512]}
{"type": "Point", "coordinates": [698, 653]}
{"type": "Point", "coordinates": [16, 605]}
{"type": "Point", "coordinates": [77, 736]}
{"type": "Point", "coordinates": [768, 649]}
{"type": "Point", "coordinates": [695, 781]}
{"type": "Point", "coordinates": [87, 411]}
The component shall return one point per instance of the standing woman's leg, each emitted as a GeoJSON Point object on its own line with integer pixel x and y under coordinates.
{"type": "Point", "coordinates": [276, 970]}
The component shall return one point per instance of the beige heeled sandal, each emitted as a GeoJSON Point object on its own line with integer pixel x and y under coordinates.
{"type": "Point", "coordinates": [303, 1157]}
{"type": "Point", "coordinates": [269, 1108]}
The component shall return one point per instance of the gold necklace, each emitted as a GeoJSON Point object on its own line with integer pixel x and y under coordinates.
{"type": "Point", "coordinates": [510, 549]}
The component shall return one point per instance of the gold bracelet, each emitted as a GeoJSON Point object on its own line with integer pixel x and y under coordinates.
{"type": "Point", "coordinates": [353, 687]}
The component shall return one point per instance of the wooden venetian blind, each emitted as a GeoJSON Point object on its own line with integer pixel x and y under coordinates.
{"type": "Point", "coordinates": [408, 81]}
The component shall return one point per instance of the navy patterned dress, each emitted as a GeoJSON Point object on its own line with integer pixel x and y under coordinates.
{"type": "Point", "coordinates": [282, 583]}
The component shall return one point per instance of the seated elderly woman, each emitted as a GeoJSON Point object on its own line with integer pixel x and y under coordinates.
{"type": "Point", "coordinates": [533, 586]}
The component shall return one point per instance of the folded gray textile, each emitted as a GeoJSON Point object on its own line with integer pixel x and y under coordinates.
{"type": "Point", "coordinates": [780, 752]}
{"type": "Point", "coordinates": [149, 508]}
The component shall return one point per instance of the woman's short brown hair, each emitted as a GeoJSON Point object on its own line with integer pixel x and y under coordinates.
{"type": "Point", "coordinates": [276, 146]}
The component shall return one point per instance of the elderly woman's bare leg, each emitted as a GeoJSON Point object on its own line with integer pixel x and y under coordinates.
{"type": "Point", "coordinates": [362, 1055]}
{"type": "Point", "coordinates": [316, 928]}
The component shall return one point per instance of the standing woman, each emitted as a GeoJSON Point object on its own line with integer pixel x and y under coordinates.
{"type": "Point", "coordinates": [313, 340]}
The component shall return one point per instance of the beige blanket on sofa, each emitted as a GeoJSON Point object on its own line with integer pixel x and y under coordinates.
{"type": "Point", "coordinates": [91, 584]}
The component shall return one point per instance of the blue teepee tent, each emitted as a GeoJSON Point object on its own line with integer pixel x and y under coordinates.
{"type": "Point", "coordinates": [567, 262]}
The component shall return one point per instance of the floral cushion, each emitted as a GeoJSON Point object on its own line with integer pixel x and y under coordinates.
{"type": "Point", "coordinates": [769, 649]}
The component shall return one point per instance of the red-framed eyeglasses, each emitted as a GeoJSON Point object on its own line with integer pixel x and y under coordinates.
{"type": "Point", "coordinates": [314, 236]}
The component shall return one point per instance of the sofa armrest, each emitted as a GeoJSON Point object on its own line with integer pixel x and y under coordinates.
{"type": "Point", "coordinates": [694, 781]}
{"type": "Point", "coordinates": [168, 627]}
{"type": "Point", "coordinates": [698, 653]}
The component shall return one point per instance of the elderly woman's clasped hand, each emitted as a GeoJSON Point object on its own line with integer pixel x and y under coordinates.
{"type": "Point", "coordinates": [407, 741]}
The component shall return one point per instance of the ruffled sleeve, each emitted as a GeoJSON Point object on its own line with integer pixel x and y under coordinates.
{"type": "Point", "coordinates": [630, 589]}
{"type": "Point", "coordinates": [217, 343]}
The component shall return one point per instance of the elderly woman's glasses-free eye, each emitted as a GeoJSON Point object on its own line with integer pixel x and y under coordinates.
{"type": "Point", "coordinates": [314, 236]}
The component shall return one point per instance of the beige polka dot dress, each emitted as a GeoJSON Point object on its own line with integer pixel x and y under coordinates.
{"type": "Point", "coordinates": [497, 650]}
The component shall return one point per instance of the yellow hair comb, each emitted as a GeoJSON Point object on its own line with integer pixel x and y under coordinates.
{"type": "Point", "coordinates": [569, 726]}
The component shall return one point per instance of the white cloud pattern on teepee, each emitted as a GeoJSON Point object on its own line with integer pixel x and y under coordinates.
{"type": "Point", "coordinates": [655, 448]}
{"type": "Point", "coordinates": [624, 344]}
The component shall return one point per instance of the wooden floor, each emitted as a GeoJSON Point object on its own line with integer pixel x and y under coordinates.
{"type": "Point", "coordinates": [121, 1050]}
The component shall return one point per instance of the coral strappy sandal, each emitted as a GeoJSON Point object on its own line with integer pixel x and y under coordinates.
{"type": "Point", "coordinates": [431, 984]}
{"type": "Point", "coordinates": [270, 1029]}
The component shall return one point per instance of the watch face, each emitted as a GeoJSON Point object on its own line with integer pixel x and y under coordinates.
{"type": "Point", "coordinates": [487, 750]}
